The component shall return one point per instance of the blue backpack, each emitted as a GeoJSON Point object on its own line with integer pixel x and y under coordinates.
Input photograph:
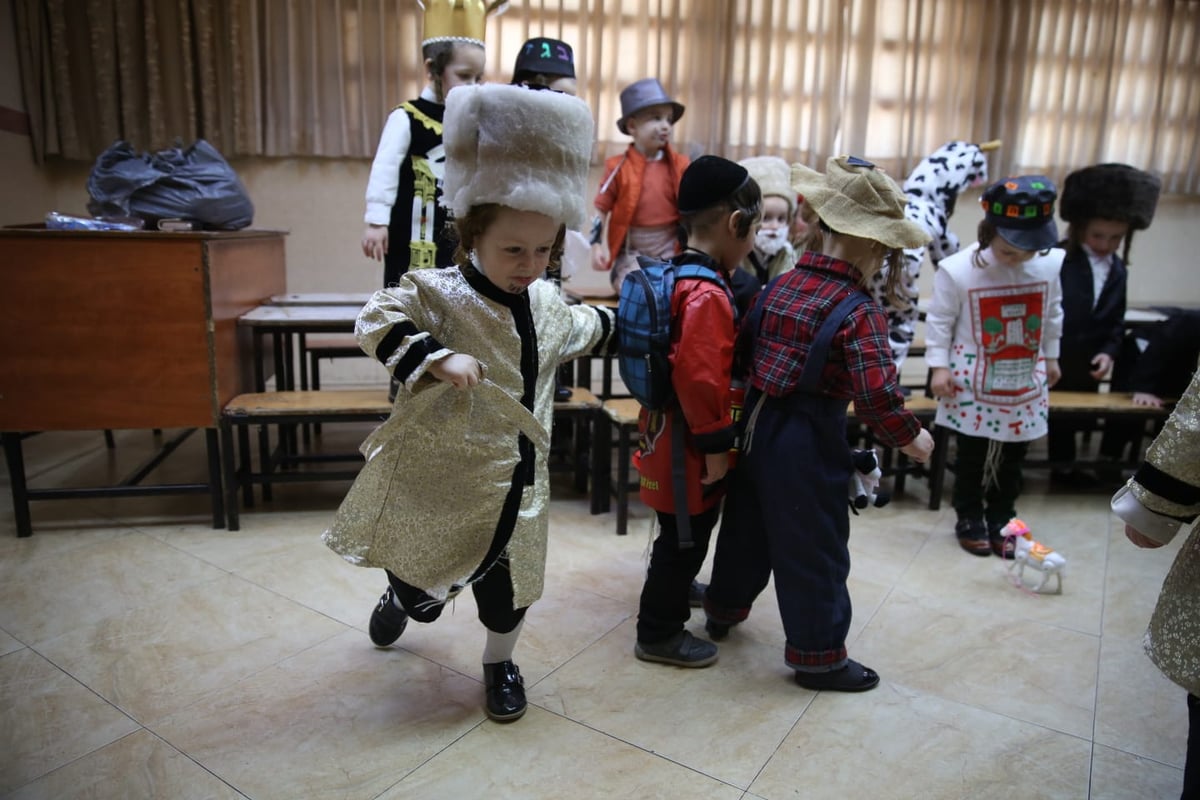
{"type": "Point", "coordinates": [644, 325]}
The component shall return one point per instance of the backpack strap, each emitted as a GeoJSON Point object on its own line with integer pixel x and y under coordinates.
{"type": "Point", "coordinates": [818, 353]}
{"type": "Point", "coordinates": [703, 268]}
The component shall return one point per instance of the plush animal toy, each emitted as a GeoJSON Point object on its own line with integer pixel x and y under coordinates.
{"type": "Point", "coordinates": [864, 481]}
{"type": "Point", "coordinates": [1030, 553]}
{"type": "Point", "coordinates": [932, 189]}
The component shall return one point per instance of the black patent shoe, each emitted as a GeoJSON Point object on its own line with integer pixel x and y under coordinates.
{"type": "Point", "coordinates": [505, 691]}
{"type": "Point", "coordinates": [388, 621]}
{"type": "Point", "coordinates": [854, 677]}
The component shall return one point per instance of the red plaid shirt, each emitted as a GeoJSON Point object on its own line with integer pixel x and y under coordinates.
{"type": "Point", "coordinates": [859, 366]}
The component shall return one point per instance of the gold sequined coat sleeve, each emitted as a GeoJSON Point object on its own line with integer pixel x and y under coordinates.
{"type": "Point", "coordinates": [1159, 501]}
{"type": "Point", "coordinates": [427, 504]}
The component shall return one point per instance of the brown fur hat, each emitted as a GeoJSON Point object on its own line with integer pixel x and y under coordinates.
{"type": "Point", "coordinates": [1110, 191]}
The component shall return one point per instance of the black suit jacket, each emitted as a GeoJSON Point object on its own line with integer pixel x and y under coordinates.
{"type": "Point", "coordinates": [1087, 330]}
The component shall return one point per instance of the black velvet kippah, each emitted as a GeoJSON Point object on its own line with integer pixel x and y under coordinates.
{"type": "Point", "coordinates": [708, 181]}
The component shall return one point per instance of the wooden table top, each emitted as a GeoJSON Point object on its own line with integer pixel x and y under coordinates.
{"type": "Point", "coordinates": [309, 318]}
{"type": "Point", "coordinates": [321, 299]}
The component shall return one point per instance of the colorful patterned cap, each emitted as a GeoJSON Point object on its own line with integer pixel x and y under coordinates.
{"type": "Point", "coordinates": [1022, 209]}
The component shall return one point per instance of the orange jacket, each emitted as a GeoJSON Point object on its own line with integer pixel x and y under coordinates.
{"type": "Point", "coordinates": [628, 186]}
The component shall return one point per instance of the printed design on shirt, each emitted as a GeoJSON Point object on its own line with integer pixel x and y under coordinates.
{"type": "Point", "coordinates": [1007, 325]}
{"type": "Point", "coordinates": [428, 172]}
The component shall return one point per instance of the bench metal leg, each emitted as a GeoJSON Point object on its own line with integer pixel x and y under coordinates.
{"type": "Point", "coordinates": [622, 480]}
{"type": "Point", "coordinates": [229, 475]}
{"type": "Point", "coordinates": [216, 485]}
{"type": "Point", "coordinates": [937, 466]}
{"type": "Point", "coordinates": [602, 445]}
{"type": "Point", "coordinates": [243, 465]}
{"type": "Point", "coordinates": [15, 456]}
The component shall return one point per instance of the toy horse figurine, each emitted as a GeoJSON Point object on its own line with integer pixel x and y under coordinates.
{"type": "Point", "coordinates": [1030, 553]}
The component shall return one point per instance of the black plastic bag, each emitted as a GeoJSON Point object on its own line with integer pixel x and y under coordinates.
{"type": "Point", "coordinates": [194, 184]}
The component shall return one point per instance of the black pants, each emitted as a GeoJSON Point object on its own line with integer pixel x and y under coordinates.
{"type": "Point", "coordinates": [1191, 768]}
{"type": "Point", "coordinates": [664, 606]}
{"type": "Point", "coordinates": [787, 512]}
{"type": "Point", "coordinates": [493, 597]}
{"type": "Point", "coordinates": [1000, 497]}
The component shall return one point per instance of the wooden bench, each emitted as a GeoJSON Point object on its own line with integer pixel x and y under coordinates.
{"type": "Point", "coordinates": [287, 408]}
{"type": "Point", "coordinates": [291, 408]}
{"type": "Point", "coordinates": [1063, 406]}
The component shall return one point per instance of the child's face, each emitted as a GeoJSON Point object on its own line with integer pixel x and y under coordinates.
{"type": "Point", "coordinates": [514, 250]}
{"type": "Point", "coordinates": [773, 231]}
{"type": "Point", "coordinates": [465, 68]}
{"type": "Point", "coordinates": [1009, 256]}
{"type": "Point", "coordinates": [1103, 236]}
{"type": "Point", "coordinates": [564, 84]}
{"type": "Point", "coordinates": [651, 128]}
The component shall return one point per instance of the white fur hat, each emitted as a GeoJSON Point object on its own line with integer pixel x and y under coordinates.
{"type": "Point", "coordinates": [773, 176]}
{"type": "Point", "coordinates": [519, 147]}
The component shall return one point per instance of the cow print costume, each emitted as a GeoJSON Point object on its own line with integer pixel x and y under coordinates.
{"type": "Point", "coordinates": [932, 189]}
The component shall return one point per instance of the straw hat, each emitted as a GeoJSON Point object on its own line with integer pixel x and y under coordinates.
{"type": "Point", "coordinates": [518, 147]}
{"type": "Point", "coordinates": [856, 199]}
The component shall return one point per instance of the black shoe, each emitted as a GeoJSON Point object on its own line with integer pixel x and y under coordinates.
{"type": "Point", "coordinates": [973, 537]}
{"type": "Point", "coordinates": [853, 677]}
{"type": "Point", "coordinates": [505, 691]}
{"type": "Point", "coordinates": [681, 650]}
{"type": "Point", "coordinates": [716, 631]}
{"type": "Point", "coordinates": [696, 594]}
{"type": "Point", "coordinates": [387, 621]}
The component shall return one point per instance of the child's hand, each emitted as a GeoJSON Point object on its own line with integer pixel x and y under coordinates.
{"type": "Point", "coordinates": [600, 260]}
{"type": "Point", "coordinates": [1053, 372]}
{"type": "Point", "coordinates": [1147, 399]}
{"type": "Point", "coordinates": [375, 242]}
{"type": "Point", "coordinates": [1101, 364]}
{"type": "Point", "coordinates": [941, 384]}
{"type": "Point", "coordinates": [715, 467]}
{"type": "Point", "coordinates": [920, 448]}
{"type": "Point", "coordinates": [459, 369]}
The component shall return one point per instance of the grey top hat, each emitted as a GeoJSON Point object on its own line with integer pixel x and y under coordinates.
{"type": "Point", "coordinates": [643, 94]}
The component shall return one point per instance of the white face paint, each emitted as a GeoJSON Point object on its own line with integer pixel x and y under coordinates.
{"type": "Point", "coordinates": [770, 241]}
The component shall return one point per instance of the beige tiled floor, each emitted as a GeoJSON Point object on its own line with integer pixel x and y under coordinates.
{"type": "Point", "coordinates": [145, 655]}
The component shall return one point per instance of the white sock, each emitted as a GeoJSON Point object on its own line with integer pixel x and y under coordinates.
{"type": "Point", "coordinates": [500, 646]}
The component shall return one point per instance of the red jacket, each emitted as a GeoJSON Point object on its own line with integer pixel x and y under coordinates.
{"type": "Point", "coordinates": [702, 336]}
{"type": "Point", "coordinates": [630, 166]}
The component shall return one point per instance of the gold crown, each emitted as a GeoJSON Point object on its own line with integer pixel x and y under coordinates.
{"type": "Point", "coordinates": [457, 20]}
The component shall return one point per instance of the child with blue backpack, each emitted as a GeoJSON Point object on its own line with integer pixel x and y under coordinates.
{"type": "Point", "coordinates": [719, 208]}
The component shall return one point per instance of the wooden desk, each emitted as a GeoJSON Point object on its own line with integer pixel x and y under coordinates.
{"type": "Point", "coordinates": [103, 330]}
